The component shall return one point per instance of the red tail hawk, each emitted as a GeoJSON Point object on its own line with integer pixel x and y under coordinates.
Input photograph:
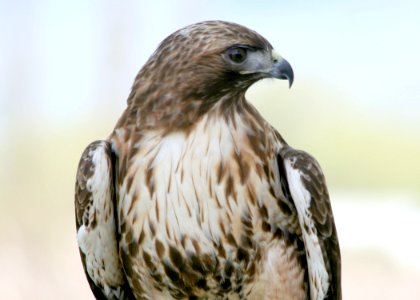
{"type": "Point", "coordinates": [194, 195]}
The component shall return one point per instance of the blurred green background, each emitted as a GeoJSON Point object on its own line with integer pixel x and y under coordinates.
{"type": "Point", "coordinates": [66, 69]}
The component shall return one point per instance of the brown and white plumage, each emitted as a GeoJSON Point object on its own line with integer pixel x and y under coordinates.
{"type": "Point", "coordinates": [194, 195]}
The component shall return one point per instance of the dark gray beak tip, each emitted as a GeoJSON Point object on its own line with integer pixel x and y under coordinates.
{"type": "Point", "coordinates": [283, 70]}
{"type": "Point", "coordinates": [290, 79]}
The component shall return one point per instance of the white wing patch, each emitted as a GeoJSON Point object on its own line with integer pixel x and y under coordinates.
{"type": "Point", "coordinates": [318, 276]}
{"type": "Point", "coordinates": [97, 240]}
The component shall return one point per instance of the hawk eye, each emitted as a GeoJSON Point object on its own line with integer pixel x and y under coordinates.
{"type": "Point", "coordinates": [237, 54]}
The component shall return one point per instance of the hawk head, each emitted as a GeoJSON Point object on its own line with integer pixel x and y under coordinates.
{"type": "Point", "coordinates": [200, 65]}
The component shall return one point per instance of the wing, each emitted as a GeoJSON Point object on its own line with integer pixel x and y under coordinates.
{"type": "Point", "coordinates": [95, 222]}
{"type": "Point", "coordinates": [306, 185]}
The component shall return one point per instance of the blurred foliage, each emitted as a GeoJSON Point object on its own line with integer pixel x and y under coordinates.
{"type": "Point", "coordinates": [356, 149]}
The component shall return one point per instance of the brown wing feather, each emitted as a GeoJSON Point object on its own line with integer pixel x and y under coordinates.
{"type": "Point", "coordinates": [320, 207]}
{"type": "Point", "coordinates": [95, 223]}
{"type": "Point", "coordinates": [83, 197]}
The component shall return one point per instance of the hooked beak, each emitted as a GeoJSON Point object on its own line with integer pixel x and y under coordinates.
{"type": "Point", "coordinates": [281, 69]}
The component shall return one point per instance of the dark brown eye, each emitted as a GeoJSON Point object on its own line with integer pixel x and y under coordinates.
{"type": "Point", "coordinates": [237, 54]}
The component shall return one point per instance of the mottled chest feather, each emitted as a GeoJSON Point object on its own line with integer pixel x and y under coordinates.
{"type": "Point", "coordinates": [199, 209]}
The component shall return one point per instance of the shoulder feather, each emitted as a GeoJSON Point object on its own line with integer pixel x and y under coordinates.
{"type": "Point", "coordinates": [96, 224]}
{"type": "Point", "coordinates": [309, 191]}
